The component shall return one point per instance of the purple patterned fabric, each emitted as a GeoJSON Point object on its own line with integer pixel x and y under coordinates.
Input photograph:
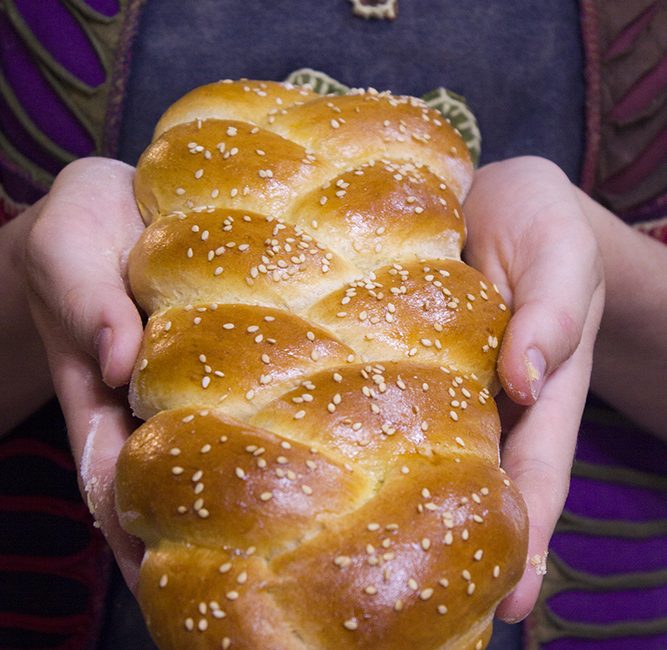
{"type": "Point", "coordinates": [610, 555]}
{"type": "Point", "coordinates": [614, 501]}
{"type": "Point", "coordinates": [619, 643]}
{"type": "Point", "coordinates": [608, 444]}
{"type": "Point", "coordinates": [613, 607]}
{"type": "Point", "coordinates": [40, 102]}
{"type": "Point", "coordinates": [105, 7]}
{"type": "Point", "coordinates": [58, 32]}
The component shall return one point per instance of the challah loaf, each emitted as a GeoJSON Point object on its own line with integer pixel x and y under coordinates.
{"type": "Point", "coordinates": [319, 468]}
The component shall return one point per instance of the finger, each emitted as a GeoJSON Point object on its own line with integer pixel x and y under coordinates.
{"type": "Point", "coordinates": [553, 288]}
{"type": "Point", "coordinates": [538, 455]}
{"type": "Point", "coordinates": [98, 423]}
{"type": "Point", "coordinates": [76, 258]}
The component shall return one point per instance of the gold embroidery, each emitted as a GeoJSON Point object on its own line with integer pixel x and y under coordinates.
{"type": "Point", "coordinates": [381, 9]}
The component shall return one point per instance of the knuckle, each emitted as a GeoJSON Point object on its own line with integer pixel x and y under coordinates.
{"type": "Point", "coordinates": [568, 326]}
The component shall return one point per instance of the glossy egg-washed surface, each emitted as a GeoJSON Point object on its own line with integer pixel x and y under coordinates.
{"type": "Point", "coordinates": [320, 466]}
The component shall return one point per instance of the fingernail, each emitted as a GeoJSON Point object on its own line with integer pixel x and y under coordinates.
{"type": "Point", "coordinates": [103, 343]}
{"type": "Point", "coordinates": [535, 367]}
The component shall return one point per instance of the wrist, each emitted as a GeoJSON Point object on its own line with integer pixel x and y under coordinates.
{"type": "Point", "coordinates": [25, 380]}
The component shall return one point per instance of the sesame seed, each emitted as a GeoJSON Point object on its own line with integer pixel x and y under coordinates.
{"type": "Point", "coordinates": [177, 470]}
{"type": "Point", "coordinates": [425, 594]}
{"type": "Point", "coordinates": [351, 624]}
{"type": "Point", "coordinates": [266, 496]}
{"type": "Point", "coordinates": [163, 581]}
{"type": "Point", "coordinates": [471, 588]}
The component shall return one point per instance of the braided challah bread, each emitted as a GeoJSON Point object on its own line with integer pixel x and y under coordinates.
{"type": "Point", "coordinates": [320, 467]}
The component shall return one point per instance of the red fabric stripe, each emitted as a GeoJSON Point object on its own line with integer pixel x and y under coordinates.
{"type": "Point", "coordinates": [626, 39]}
{"type": "Point", "coordinates": [75, 510]}
{"type": "Point", "coordinates": [638, 98]}
{"type": "Point", "coordinates": [32, 447]}
{"type": "Point", "coordinates": [75, 624]}
{"type": "Point", "coordinates": [654, 155]}
{"type": "Point", "coordinates": [589, 29]}
{"type": "Point", "coordinates": [68, 566]}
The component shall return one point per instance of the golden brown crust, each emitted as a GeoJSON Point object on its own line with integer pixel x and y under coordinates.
{"type": "Point", "coordinates": [232, 256]}
{"type": "Point", "coordinates": [371, 415]}
{"type": "Point", "coordinates": [414, 566]}
{"type": "Point", "coordinates": [247, 100]}
{"type": "Point", "coordinates": [194, 167]}
{"type": "Point", "coordinates": [320, 468]}
{"type": "Point", "coordinates": [442, 312]}
{"type": "Point", "coordinates": [234, 357]}
{"type": "Point", "coordinates": [370, 212]}
{"type": "Point", "coordinates": [229, 484]}
{"type": "Point", "coordinates": [421, 554]}
{"type": "Point", "coordinates": [354, 129]}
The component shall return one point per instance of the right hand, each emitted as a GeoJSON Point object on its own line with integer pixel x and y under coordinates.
{"type": "Point", "coordinates": [75, 263]}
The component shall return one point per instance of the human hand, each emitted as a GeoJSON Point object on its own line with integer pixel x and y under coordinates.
{"type": "Point", "coordinates": [75, 265]}
{"type": "Point", "coordinates": [529, 235]}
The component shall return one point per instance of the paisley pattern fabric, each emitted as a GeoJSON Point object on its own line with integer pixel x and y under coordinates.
{"type": "Point", "coordinates": [63, 67]}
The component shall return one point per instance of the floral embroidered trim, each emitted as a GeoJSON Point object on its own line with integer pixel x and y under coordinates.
{"type": "Point", "coordinates": [455, 110]}
{"type": "Point", "coordinates": [380, 9]}
{"type": "Point", "coordinates": [450, 105]}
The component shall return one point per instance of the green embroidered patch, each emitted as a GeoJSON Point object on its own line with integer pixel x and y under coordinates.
{"type": "Point", "coordinates": [452, 106]}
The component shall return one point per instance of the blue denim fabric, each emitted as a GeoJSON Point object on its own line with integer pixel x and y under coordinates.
{"type": "Point", "coordinates": [519, 63]}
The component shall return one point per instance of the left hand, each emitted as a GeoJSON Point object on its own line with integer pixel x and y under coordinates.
{"type": "Point", "coordinates": [529, 235]}
{"type": "Point", "coordinates": [74, 263]}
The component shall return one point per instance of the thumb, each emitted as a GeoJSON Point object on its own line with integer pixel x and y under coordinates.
{"type": "Point", "coordinates": [552, 297]}
{"type": "Point", "coordinates": [75, 262]}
